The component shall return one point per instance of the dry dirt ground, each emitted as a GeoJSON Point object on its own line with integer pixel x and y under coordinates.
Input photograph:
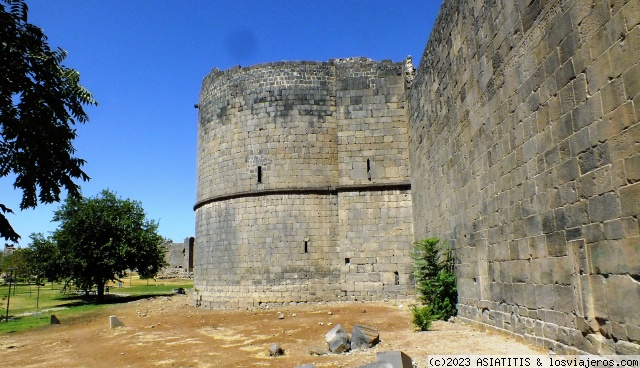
{"type": "Point", "coordinates": [168, 332]}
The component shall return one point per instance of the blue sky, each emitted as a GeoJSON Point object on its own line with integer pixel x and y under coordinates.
{"type": "Point", "coordinates": [144, 62]}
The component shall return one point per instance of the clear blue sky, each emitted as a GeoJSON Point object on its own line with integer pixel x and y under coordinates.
{"type": "Point", "coordinates": [144, 62]}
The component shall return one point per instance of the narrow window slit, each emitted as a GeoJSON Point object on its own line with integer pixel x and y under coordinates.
{"type": "Point", "coordinates": [259, 174]}
{"type": "Point", "coordinates": [347, 260]}
{"type": "Point", "coordinates": [306, 246]}
{"type": "Point", "coordinates": [369, 169]}
{"type": "Point", "coordinates": [397, 277]}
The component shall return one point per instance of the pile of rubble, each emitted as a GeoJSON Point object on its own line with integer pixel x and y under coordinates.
{"type": "Point", "coordinates": [362, 337]}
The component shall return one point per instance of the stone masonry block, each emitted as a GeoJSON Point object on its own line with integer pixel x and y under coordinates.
{"type": "Point", "coordinates": [626, 52]}
{"type": "Point", "coordinates": [621, 228]}
{"type": "Point", "coordinates": [630, 199]}
{"type": "Point", "coordinates": [556, 244]}
{"type": "Point", "coordinates": [594, 157]}
{"type": "Point", "coordinates": [620, 290]}
{"type": "Point", "coordinates": [616, 256]}
{"type": "Point", "coordinates": [604, 207]}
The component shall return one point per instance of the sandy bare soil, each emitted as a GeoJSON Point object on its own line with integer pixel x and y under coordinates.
{"type": "Point", "coordinates": [168, 332]}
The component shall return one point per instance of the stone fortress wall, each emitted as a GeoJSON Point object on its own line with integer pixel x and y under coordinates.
{"type": "Point", "coordinates": [525, 154]}
{"type": "Point", "coordinates": [303, 187]}
{"type": "Point", "coordinates": [521, 128]}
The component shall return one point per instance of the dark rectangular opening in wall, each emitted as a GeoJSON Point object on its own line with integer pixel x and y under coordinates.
{"type": "Point", "coordinates": [396, 277]}
{"type": "Point", "coordinates": [190, 258]}
{"type": "Point", "coordinates": [306, 246]}
{"type": "Point", "coordinates": [347, 260]}
{"type": "Point", "coordinates": [259, 174]}
{"type": "Point", "coordinates": [369, 169]}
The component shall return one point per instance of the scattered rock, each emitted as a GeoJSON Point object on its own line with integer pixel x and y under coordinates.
{"type": "Point", "coordinates": [397, 359]}
{"type": "Point", "coordinates": [275, 350]}
{"type": "Point", "coordinates": [338, 340]}
{"type": "Point", "coordinates": [54, 320]}
{"type": "Point", "coordinates": [115, 322]}
{"type": "Point", "coordinates": [330, 313]}
{"type": "Point", "coordinates": [281, 316]}
{"type": "Point", "coordinates": [318, 350]}
{"type": "Point", "coordinates": [364, 337]}
{"type": "Point", "coordinates": [179, 291]}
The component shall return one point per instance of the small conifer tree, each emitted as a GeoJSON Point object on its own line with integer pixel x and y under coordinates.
{"type": "Point", "coordinates": [435, 282]}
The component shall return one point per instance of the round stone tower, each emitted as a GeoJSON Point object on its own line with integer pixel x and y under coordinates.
{"type": "Point", "coordinates": [294, 160]}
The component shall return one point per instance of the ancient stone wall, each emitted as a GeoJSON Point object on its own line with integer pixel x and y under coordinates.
{"type": "Point", "coordinates": [179, 255]}
{"type": "Point", "coordinates": [297, 161]}
{"type": "Point", "coordinates": [525, 155]}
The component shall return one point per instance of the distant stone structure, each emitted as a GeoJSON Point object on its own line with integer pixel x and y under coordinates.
{"type": "Point", "coordinates": [8, 249]}
{"type": "Point", "coordinates": [179, 258]}
{"type": "Point", "coordinates": [303, 184]}
{"type": "Point", "coordinates": [524, 146]}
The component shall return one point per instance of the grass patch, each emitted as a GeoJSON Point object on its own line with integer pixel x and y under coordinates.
{"type": "Point", "coordinates": [24, 315]}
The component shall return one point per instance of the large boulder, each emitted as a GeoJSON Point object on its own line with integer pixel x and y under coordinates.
{"type": "Point", "coordinates": [338, 340]}
{"type": "Point", "coordinates": [364, 337]}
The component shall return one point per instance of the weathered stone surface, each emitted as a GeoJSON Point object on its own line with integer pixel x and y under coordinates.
{"type": "Point", "coordinates": [310, 365]}
{"type": "Point", "coordinates": [364, 337]}
{"type": "Point", "coordinates": [275, 350]}
{"type": "Point", "coordinates": [398, 359]}
{"type": "Point", "coordinates": [567, 185]}
{"type": "Point", "coordinates": [338, 340]}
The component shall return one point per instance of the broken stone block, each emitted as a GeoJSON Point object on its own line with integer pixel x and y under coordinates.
{"type": "Point", "coordinates": [364, 337]}
{"type": "Point", "coordinates": [54, 320]}
{"type": "Point", "coordinates": [275, 350]}
{"type": "Point", "coordinates": [338, 340]}
{"type": "Point", "coordinates": [397, 359]}
{"type": "Point", "coordinates": [318, 350]}
{"type": "Point", "coordinates": [115, 322]}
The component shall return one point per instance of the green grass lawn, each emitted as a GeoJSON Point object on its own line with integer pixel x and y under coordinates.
{"type": "Point", "coordinates": [24, 298]}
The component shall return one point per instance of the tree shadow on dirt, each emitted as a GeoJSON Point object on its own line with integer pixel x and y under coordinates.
{"type": "Point", "coordinates": [82, 299]}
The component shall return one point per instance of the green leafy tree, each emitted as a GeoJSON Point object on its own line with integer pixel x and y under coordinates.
{"type": "Point", "coordinates": [17, 261]}
{"type": "Point", "coordinates": [40, 102]}
{"type": "Point", "coordinates": [101, 238]}
{"type": "Point", "coordinates": [435, 281]}
{"type": "Point", "coordinates": [44, 258]}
